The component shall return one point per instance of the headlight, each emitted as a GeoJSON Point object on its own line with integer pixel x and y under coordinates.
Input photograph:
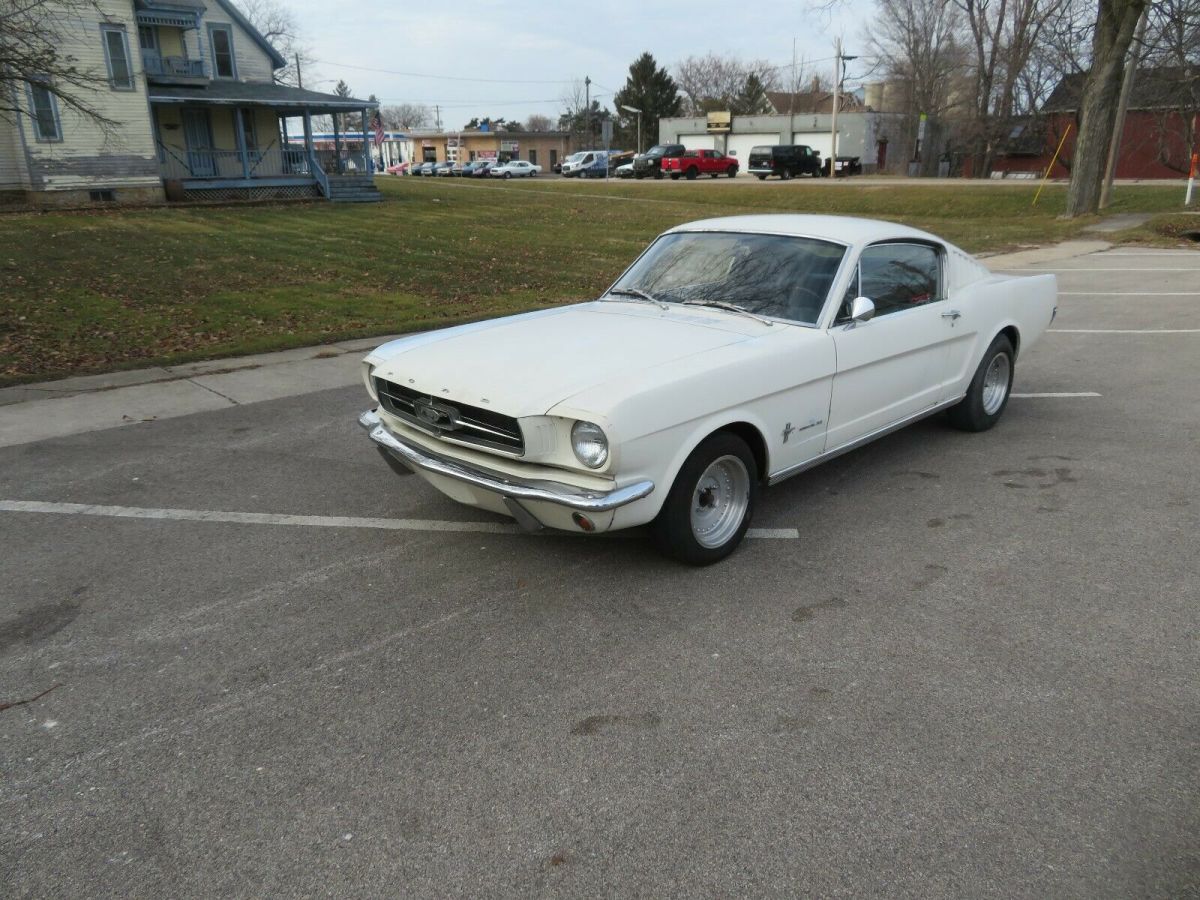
{"type": "Point", "coordinates": [589, 443]}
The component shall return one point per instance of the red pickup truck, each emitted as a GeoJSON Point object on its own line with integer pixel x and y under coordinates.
{"type": "Point", "coordinates": [700, 162]}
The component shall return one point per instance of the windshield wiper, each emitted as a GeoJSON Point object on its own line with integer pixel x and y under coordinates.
{"type": "Point", "coordinates": [640, 294]}
{"type": "Point", "coordinates": [728, 307]}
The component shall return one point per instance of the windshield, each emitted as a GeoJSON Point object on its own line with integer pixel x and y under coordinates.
{"type": "Point", "coordinates": [766, 274]}
{"type": "Point", "coordinates": [760, 151]}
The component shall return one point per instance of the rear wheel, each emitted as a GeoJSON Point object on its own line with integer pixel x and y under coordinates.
{"type": "Point", "coordinates": [508, 174]}
{"type": "Point", "coordinates": [731, 171]}
{"type": "Point", "coordinates": [762, 177]}
{"type": "Point", "coordinates": [692, 173]}
{"type": "Point", "coordinates": [710, 505]}
{"type": "Point", "coordinates": [786, 174]}
{"type": "Point", "coordinates": [988, 394]}
{"type": "Point", "coordinates": [674, 176]}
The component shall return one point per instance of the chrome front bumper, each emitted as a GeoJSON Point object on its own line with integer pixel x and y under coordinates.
{"type": "Point", "coordinates": [417, 457]}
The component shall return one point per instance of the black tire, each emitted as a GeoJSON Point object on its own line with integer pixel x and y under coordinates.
{"type": "Point", "coordinates": [674, 176]}
{"type": "Point", "coordinates": [658, 174]}
{"type": "Point", "coordinates": [692, 173]}
{"type": "Point", "coordinates": [731, 171]}
{"type": "Point", "coordinates": [672, 529]}
{"type": "Point", "coordinates": [713, 174]}
{"type": "Point", "coordinates": [639, 175]}
{"type": "Point", "coordinates": [979, 410]}
{"type": "Point", "coordinates": [762, 177]}
{"type": "Point", "coordinates": [508, 174]}
{"type": "Point", "coordinates": [786, 174]}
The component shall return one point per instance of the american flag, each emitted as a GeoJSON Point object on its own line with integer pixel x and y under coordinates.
{"type": "Point", "coordinates": [377, 124]}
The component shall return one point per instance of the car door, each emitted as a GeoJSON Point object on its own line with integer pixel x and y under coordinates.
{"type": "Point", "coordinates": [892, 366]}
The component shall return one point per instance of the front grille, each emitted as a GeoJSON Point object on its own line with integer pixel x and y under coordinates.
{"type": "Point", "coordinates": [450, 419]}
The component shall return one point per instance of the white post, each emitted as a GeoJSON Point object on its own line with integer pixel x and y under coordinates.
{"type": "Point", "coordinates": [1187, 198]}
{"type": "Point", "coordinates": [837, 84]}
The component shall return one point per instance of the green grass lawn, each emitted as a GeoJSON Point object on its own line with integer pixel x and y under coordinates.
{"type": "Point", "coordinates": [88, 292]}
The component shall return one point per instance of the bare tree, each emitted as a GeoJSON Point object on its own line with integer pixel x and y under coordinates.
{"type": "Point", "coordinates": [277, 24]}
{"type": "Point", "coordinates": [406, 116]}
{"type": "Point", "coordinates": [714, 82]}
{"type": "Point", "coordinates": [538, 122]}
{"type": "Point", "coordinates": [1172, 58]}
{"type": "Point", "coordinates": [36, 37]}
{"type": "Point", "coordinates": [1113, 35]}
{"type": "Point", "coordinates": [919, 43]}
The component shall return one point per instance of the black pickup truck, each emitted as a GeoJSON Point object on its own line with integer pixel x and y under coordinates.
{"type": "Point", "coordinates": [650, 162]}
{"type": "Point", "coordinates": [784, 160]}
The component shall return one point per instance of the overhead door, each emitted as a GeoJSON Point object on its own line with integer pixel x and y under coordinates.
{"type": "Point", "coordinates": [740, 144]}
{"type": "Point", "coordinates": [697, 141]}
{"type": "Point", "coordinates": [821, 141]}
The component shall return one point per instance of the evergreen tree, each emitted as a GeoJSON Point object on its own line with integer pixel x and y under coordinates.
{"type": "Point", "coordinates": [651, 89]}
{"type": "Point", "coordinates": [752, 100]}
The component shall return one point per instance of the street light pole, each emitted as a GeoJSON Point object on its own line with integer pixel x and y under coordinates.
{"type": "Point", "coordinates": [634, 109]}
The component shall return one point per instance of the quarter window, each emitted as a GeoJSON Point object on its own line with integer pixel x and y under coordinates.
{"type": "Point", "coordinates": [116, 54]}
{"type": "Point", "coordinates": [222, 49]}
{"type": "Point", "coordinates": [896, 277]}
{"type": "Point", "coordinates": [46, 124]}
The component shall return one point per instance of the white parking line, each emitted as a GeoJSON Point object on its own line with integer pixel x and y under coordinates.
{"type": "Point", "coordinates": [248, 518]}
{"type": "Point", "coordinates": [1124, 331]}
{"type": "Point", "coordinates": [1056, 394]}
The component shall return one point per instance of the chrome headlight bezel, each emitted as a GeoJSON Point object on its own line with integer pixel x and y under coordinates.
{"type": "Point", "coordinates": [588, 434]}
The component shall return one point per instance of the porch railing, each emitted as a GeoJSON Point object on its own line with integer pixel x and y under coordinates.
{"type": "Point", "coordinates": [273, 162]}
{"type": "Point", "coordinates": [173, 66]}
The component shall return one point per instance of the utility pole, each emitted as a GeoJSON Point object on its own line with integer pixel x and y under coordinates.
{"type": "Point", "coordinates": [837, 85]}
{"type": "Point", "coordinates": [299, 78]}
{"type": "Point", "coordinates": [437, 116]}
{"type": "Point", "coordinates": [1114, 146]}
{"type": "Point", "coordinates": [587, 106]}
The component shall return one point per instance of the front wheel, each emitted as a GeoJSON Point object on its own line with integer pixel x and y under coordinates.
{"type": "Point", "coordinates": [508, 174]}
{"type": "Point", "coordinates": [692, 173]}
{"type": "Point", "coordinates": [988, 394]}
{"type": "Point", "coordinates": [731, 171]}
{"type": "Point", "coordinates": [710, 505]}
{"type": "Point", "coordinates": [762, 177]}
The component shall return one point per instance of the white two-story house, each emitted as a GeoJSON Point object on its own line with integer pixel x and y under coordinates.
{"type": "Point", "coordinates": [190, 84]}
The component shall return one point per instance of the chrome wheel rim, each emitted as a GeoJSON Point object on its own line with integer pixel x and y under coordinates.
{"type": "Point", "coordinates": [720, 501]}
{"type": "Point", "coordinates": [995, 384]}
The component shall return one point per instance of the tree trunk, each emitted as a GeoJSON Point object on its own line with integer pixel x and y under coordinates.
{"type": "Point", "coordinates": [1115, 24]}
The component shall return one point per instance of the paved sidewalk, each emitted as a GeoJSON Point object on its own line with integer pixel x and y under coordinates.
{"type": "Point", "coordinates": [68, 406]}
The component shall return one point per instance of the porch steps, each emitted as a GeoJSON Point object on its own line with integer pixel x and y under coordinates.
{"type": "Point", "coordinates": [353, 189]}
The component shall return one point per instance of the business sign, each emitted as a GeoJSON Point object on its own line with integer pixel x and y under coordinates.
{"type": "Point", "coordinates": [720, 122]}
{"type": "Point", "coordinates": [427, 143]}
{"type": "Point", "coordinates": [451, 142]}
{"type": "Point", "coordinates": [509, 146]}
{"type": "Point", "coordinates": [485, 154]}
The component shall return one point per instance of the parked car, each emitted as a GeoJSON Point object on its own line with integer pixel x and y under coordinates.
{"type": "Point", "coordinates": [457, 168]}
{"type": "Point", "coordinates": [518, 168]}
{"type": "Point", "coordinates": [650, 162]}
{"type": "Point", "coordinates": [846, 165]}
{"type": "Point", "coordinates": [784, 160]}
{"type": "Point", "coordinates": [732, 354]}
{"type": "Point", "coordinates": [483, 167]}
{"type": "Point", "coordinates": [695, 163]}
{"type": "Point", "coordinates": [586, 164]}
{"type": "Point", "coordinates": [625, 171]}
{"type": "Point", "coordinates": [618, 158]}
{"type": "Point", "coordinates": [400, 168]}
{"type": "Point", "coordinates": [443, 168]}
{"type": "Point", "coordinates": [425, 168]}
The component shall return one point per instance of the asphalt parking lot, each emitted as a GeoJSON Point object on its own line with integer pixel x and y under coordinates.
{"type": "Point", "coordinates": [971, 673]}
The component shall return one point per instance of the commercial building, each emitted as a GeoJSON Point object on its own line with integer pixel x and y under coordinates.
{"type": "Point", "coordinates": [542, 148]}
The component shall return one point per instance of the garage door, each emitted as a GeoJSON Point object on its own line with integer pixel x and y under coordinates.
{"type": "Point", "coordinates": [697, 141]}
{"type": "Point", "coordinates": [821, 141]}
{"type": "Point", "coordinates": [740, 144]}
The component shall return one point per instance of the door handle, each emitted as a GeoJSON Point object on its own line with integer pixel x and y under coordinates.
{"type": "Point", "coordinates": [952, 315]}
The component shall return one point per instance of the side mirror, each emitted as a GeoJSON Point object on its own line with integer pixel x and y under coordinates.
{"type": "Point", "coordinates": [862, 309]}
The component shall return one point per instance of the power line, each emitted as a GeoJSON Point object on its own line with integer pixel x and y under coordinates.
{"type": "Point", "coordinates": [446, 77]}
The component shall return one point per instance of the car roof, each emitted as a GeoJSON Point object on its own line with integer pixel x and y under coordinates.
{"type": "Point", "coordinates": [844, 229]}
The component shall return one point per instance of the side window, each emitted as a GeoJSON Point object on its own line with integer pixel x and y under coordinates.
{"type": "Point", "coordinates": [47, 127]}
{"type": "Point", "coordinates": [898, 276]}
{"type": "Point", "coordinates": [116, 55]}
{"type": "Point", "coordinates": [221, 37]}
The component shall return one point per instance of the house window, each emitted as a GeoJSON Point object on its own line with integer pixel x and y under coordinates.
{"type": "Point", "coordinates": [533, 157]}
{"type": "Point", "coordinates": [221, 37]}
{"type": "Point", "coordinates": [147, 38]}
{"type": "Point", "coordinates": [46, 124]}
{"type": "Point", "coordinates": [116, 54]}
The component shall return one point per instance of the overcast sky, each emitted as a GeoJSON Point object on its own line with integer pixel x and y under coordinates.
{"type": "Point", "coordinates": [547, 44]}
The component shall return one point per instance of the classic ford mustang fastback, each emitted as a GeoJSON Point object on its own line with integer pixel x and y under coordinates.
{"type": "Point", "coordinates": [731, 354]}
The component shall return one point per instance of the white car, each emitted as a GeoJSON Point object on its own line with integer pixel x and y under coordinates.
{"type": "Point", "coordinates": [625, 171]}
{"type": "Point", "coordinates": [732, 354]}
{"type": "Point", "coordinates": [518, 168]}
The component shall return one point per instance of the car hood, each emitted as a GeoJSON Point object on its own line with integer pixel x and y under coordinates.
{"type": "Point", "coordinates": [524, 365]}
